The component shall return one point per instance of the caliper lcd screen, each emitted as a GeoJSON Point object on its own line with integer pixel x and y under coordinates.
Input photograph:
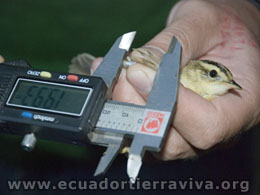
{"type": "Point", "coordinates": [48, 96]}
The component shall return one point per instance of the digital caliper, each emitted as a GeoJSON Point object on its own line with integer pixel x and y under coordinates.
{"type": "Point", "coordinates": [78, 109]}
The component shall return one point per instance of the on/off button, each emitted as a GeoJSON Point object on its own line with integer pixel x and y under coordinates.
{"type": "Point", "coordinates": [71, 77]}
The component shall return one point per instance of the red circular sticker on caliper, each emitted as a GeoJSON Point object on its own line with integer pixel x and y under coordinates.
{"type": "Point", "coordinates": [155, 122]}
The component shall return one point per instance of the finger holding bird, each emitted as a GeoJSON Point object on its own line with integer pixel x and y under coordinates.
{"type": "Point", "coordinates": [207, 78]}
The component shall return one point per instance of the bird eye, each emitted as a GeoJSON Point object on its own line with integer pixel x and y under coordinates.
{"type": "Point", "coordinates": [213, 73]}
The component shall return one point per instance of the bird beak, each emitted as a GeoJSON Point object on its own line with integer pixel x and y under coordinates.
{"type": "Point", "coordinates": [235, 85]}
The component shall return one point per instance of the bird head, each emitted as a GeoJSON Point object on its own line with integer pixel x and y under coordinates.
{"type": "Point", "coordinates": [208, 78]}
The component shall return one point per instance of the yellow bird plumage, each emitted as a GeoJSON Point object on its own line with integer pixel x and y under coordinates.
{"type": "Point", "coordinates": [207, 78]}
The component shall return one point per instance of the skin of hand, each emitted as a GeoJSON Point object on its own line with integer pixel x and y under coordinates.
{"type": "Point", "coordinates": [225, 31]}
{"type": "Point", "coordinates": [1, 59]}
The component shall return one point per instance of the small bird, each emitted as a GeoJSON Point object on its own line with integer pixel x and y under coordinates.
{"type": "Point", "coordinates": [207, 78]}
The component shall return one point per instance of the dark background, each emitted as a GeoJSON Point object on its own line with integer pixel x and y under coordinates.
{"type": "Point", "coordinates": [48, 34]}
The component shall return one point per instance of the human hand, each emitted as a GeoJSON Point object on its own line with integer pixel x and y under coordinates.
{"type": "Point", "coordinates": [1, 59]}
{"type": "Point", "coordinates": [224, 31]}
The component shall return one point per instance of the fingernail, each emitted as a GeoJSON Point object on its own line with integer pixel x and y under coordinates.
{"type": "Point", "coordinates": [140, 81]}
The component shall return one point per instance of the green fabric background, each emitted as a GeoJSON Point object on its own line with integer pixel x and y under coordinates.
{"type": "Point", "coordinates": [49, 33]}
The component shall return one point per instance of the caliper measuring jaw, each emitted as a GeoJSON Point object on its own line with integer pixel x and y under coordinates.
{"type": "Point", "coordinates": [146, 125]}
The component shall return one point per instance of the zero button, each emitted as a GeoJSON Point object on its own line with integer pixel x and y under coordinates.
{"type": "Point", "coordinates": [45, 74]}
